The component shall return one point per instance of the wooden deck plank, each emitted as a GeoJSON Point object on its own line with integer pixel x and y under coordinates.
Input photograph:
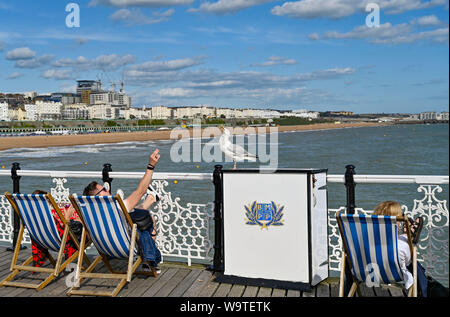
{"type": "Point", "coordinates": [184, 285]}
{"type": "Point", "coordinates": [278, 292]}
{"type": "Point", "coordinates": [172, 283]}
{"type": "Point", "coordinates": [162, 280]}
{"type": "Point", "coordinates": [250, 291]}
{"type": "Point", "coordinates": [139, 284]}
{"type": "Point", "coordinates": [381, 292]}
{"type": "Point", "coordinates": [323, 290]}
{"type": "Point", "coordinates": [210, 288]}
{"type": "Point", "coordinates": [264, 292]}
{"type": "Point", "coordinates": [293, 293]}
{"type": "Point", "coordinates": [222, 290]}
{"type": "Point", "coordinates": [196, 287]}
{"type": "Point", "coordinates": [236, 291]}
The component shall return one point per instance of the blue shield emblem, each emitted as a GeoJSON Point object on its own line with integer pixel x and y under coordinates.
{"type": "Point", "coordinates": [264, 212]}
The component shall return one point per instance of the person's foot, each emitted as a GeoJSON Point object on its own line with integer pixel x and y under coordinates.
{"type": "Point", "coordinates": [148, 266]}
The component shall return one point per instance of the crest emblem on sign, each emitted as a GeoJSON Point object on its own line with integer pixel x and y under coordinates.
{"type": "Point", "coordinates": [264, 215]}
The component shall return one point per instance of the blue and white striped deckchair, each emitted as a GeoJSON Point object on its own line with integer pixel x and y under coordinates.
{"type": "Point", "coordinates": [109, 226]}
{"type": "Point", "coordinates": [370, 247]}
{"type": "Point", "coordinates": [36, 216]}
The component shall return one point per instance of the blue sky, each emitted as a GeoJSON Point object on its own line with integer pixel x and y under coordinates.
{"type": "Point", "coordinates": [313, 54]}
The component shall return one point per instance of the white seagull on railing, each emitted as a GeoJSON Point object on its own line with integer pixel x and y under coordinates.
{"type": "Point", "coordinates": [235, 152]}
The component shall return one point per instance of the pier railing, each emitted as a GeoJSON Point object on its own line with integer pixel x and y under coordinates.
{"type": "Point", "coordinates": [186, 230]}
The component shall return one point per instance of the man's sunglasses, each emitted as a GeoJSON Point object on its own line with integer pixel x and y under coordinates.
{"type": "Point", "coordinates": [101, 190]}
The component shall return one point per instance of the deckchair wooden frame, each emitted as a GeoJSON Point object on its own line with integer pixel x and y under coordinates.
{"type": "Point", "coordinates": [58, 267]}
{"type": "Point", "coordinates": [345, 260]}
{"type": "Point", "coordinates": [123, 276]}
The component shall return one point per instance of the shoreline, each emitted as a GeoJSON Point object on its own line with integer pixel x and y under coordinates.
{"type": "Point", "coordinates": [7, 143]}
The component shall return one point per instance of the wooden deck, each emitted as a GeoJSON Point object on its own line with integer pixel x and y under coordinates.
{"type": "Point", "coordinates": [175, 280]}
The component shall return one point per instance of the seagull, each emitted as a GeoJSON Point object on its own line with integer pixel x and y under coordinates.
{"type": "Point", "coordinates": [236, 152]}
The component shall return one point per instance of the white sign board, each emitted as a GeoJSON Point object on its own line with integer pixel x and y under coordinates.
{"type": "Point", "coordinates": [265, 218]}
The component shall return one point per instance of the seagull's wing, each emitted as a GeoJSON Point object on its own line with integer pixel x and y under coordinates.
{"type": "Point", "coordinates": [240, 153]}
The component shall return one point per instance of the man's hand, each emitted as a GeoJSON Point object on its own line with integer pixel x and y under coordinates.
{"type": "Point", "coordinates": [154, 158]}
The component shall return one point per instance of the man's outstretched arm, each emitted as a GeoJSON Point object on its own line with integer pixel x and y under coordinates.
{"type": "Point", "coordinates": [136, 196]}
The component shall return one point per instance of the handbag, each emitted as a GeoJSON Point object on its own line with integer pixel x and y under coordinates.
{"type": "Point", "coordinates": [142, 219]}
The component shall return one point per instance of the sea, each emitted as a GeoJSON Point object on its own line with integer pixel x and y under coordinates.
{"type": "Point", "coordinates": [409, 149]}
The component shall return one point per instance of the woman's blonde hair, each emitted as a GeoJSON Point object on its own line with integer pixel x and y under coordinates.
{"type": "Point", "coordinates": [388, 208]}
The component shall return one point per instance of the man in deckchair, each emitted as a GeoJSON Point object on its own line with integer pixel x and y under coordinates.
{"type": "Point", "coordinates": [139, 213]}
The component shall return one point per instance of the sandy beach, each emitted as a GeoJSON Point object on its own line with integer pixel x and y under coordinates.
{"type": "Point", "coordinates": [100, 138]}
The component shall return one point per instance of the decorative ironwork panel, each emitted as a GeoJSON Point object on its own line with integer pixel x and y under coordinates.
{"type": "Point", "coordinates": [433, 246]}
{"type": "Point", "coordinates": [60, 193]}
{"type": "Point", "coordinates": [6, 222]}
{"type": "Point", "coordinates": [182, 231]}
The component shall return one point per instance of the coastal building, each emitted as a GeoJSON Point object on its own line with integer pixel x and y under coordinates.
{"type": "Point", "coordinates": [110, 97]}
{"type": "Point", "coordinates": [86, 87]}
{"type": "Point", "coordinates": [78, 111]}
{"type": "Point", "coordinates": [102, 112]}
{"type": "Point", "coordinates": [443, 116]}
{"type": "Point", "coordinates": [17, 114]}
{"type": "Point", "coordinates": [31, 112]}
{"type": "Point", "coordinates": [137, 113]}
{"type": "Point", "coordinates": [49, 110]}
{"type": "Point", "coordinates": [429, 115]}
{"type": "Point", "coordinates": [162, 112]}
{"type": "Point", "coordinates": [4, 113]}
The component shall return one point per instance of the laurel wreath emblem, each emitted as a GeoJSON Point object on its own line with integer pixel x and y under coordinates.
{"type": "Point", "coordinates": [276, 220]}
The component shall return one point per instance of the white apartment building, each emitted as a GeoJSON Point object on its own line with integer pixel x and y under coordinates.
{"type": "Point", "coordinates": [102, 112]}
{"type": "Point", "coordinates": [49, 110]}
{"type": "Point", "coordinates": [4, 112]}
{"type": "Point", "coordinates": [31, 112]}
{"type": "Point", "coordinates": [161, 112]}
{"type": "Point", "coordinates": [429, 115]}
{"type": "Point", "coordinates": [443, 116]}
{"type": "Point", "coordinates": [137, 113]}
{"type": "Point", "coordinates": [110, 97]}
{"type": "Point", "coordinates": [78, 111]}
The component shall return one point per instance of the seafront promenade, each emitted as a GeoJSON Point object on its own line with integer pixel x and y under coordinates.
{"type": "Point", "coordinates": [175, 280]}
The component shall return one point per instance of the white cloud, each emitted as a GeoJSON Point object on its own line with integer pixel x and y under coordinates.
{"type": "Point", "coordinates": [391, 34]}
{"type": "Point", "coordinates": [14, 75]}
{"type": "Point", "coordinates": [227, 6]}
{"type": "Point", "coordinates": [336, 9]}
{"type": "Point", "coordinates": [136, 17]}
{"type": "Point", "coordinates": [103, 62]}
{"type": "Point", "coordinates": [276, 60]}
{"type": "Point", "coordinates": [428, 20]}
{"type": "Point", "coordinates": [20, 53]}
{"type": "Point", "coordinates": [140, 3]}
{"type": "Point", "coordinates": [175, 92]}
{"type": "Point", "coordinates": [164, 66]}
{"type": "Point", "coordinates": [34, 62]}
{"type": "Point", "coordinates": [58, 74]}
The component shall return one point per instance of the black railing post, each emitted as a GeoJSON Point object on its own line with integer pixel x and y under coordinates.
{"type": "Point", "coordinates": [16, 190]}
{"type": "Point", "coordinates": [218, 201]}
{"type": "Point", "coordinates": [350, 186]}
{"type": "Point", "coordinates": [105, 175]}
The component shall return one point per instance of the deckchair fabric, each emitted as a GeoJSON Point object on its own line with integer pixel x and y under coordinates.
{"type": "Point", "coordinates": [106, 225]}
{"type": "Point", "coordinates": [372, 244]}
{"type": "Point", "coordinates": [36, 213]}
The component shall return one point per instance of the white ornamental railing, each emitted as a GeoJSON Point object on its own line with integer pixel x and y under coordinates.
{"type": "Point", "coordinates": [185, 230]}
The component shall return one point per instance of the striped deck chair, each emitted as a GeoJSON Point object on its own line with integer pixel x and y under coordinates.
{"type": "Point", "coordinates": [107, 223]}
{"type": "Point", "coordinates": [370, 249]}
{"type": "Point", "coordinates": [35, 214]}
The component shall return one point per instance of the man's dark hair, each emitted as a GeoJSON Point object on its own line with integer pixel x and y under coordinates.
{"type": "Point", "coordinates": [90, 189]}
